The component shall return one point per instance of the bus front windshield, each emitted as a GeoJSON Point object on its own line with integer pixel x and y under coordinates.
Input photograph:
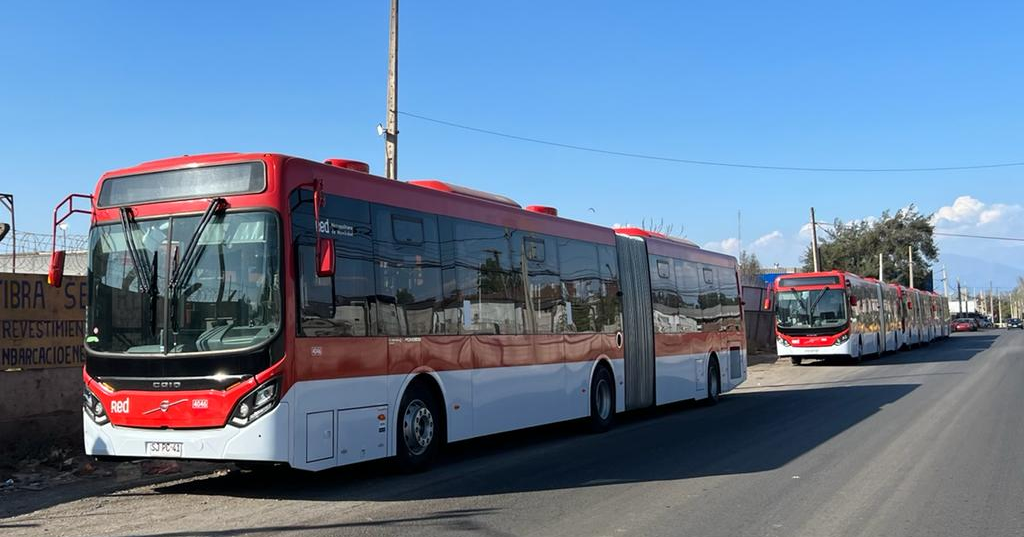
{"type": "Point", "coordinates": [229, 300]}
{"type": "Point", "coordinates": [817, 308]}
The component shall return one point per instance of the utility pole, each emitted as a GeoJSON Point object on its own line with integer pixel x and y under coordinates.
{"type": "Point", "coordinates": [910, 252]}
{"type": "Point", "coordinates": [814, 242]}
{"type": "Point", "coordinates": [945, 284]}
{"type": "Point", "coordinates": [991, 308]}
{"type": "Point", "coordinates": [999, 304]}
{"type": "Point", "coordinates": [881, 271]}
{"type": "Point", "coordinates": [959, 298]}
{"type": "Point", "coordinates": [391, 134]}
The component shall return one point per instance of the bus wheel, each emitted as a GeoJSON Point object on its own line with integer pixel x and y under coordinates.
{"type": "Point", "coordinates": [796, 360]}
{"type": "Point", "coordinates": [714, 384]}
{"type": "Point", "coordinates": [419, 437]}
{"type": "Point", "coordinates": [602, 400]}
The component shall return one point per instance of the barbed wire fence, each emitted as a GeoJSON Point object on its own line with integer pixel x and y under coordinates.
{"type": "Point", "coordinates": [33, 252]}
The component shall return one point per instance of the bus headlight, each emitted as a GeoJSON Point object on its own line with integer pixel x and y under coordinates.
{"type": "Point", "coordinates": [782, 340]}
{"type": "Point", "coordinates": [842, 339]}
{"type": "Point", "coordinates": [257, 403]}
{"type": "Point", "coordinates": [94, 407]}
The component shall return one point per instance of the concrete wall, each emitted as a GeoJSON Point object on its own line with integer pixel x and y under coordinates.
{"type": "Point", "coordinates": [40, 387]}
{"type": "Point", "coordinates": [39, 408]}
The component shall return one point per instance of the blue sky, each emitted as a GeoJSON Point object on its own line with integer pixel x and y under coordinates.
{"type": "Point", "coordinates": [89, 87]}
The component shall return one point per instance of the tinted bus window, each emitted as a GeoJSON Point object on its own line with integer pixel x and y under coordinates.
{"type": "Point", "coordinates": [581, 280]}
{"type": "Point", "coordinates": [408, 273]}
{"type": "Point", "coordinates": [730, 298]}
{"type": "Point", "coordinates": [483, 294]}
{"type": "Point", "coordinates": [664, 296]}
{"type": "Point", "coordinates": [610, 310]}
{"type": "Point", "coordinates": [545, 305]}
{"type": "Point", "coordinates": [710, 301]}
{"type": "Point", "coordinates": [689, 294]}
{"type": "Point", "coordinates": [342, 306]}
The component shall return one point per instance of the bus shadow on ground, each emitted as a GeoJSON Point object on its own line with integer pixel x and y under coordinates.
{"type": "Point", "coordinates": [958, 348]}
{"type": "Point", "coordinates": [746, 433]}
{"type": "Point", "coordinates": [954, 349]}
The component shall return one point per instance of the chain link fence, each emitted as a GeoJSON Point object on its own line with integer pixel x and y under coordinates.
{"type": "Point", "coordinates": [33, 252]}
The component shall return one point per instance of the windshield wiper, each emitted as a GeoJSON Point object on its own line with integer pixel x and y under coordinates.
{"type": "Point", "coordinates": [145, 271]}
{"type": "Point", "coordinates": [184, 267]}
{"type": "Point", "coordinates": [815, 304]}
{"type": "Point", "coordinates": [138, 260]}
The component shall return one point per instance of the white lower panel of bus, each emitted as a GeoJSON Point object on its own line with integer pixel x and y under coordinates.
{"type": "Point", "coordinates": [843, 349]}
{"type": "Point", "coordinates": [477, 402]}
{"type": "Point", "coordinates": [325, 423]}
{"type": "Point", "coordinates": [266, 439]}
{"type": "Point", "coordinates": [684, 377]}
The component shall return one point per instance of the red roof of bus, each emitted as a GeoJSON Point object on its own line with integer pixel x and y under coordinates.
{"type": "Point", "coordinates": [429, 195]}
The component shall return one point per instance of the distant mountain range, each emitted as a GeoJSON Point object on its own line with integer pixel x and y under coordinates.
{"type": "Point", "coordinates": [976, 273]}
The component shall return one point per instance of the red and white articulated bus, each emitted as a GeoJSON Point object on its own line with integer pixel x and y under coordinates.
{"type": "Point", "coordinates": [924, 316]}
{"type": "Point", "coordinates": [261, 307]}
{"type": "Point", "coordinates": [827, 314]}
{"type": "Point", "coordinates": [839, 314]}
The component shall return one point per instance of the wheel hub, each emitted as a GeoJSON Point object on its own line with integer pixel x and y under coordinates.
{"type": "Point", "coordinates": [418, 427]}
{"type": "Point", "coordinates": [603, 399]}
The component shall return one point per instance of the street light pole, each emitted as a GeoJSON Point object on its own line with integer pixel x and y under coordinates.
{"type": "Point", "coordinates": [8, 202]}
{"type": "Point", "coordinates": [391, 133]}
{"type": "Point", "coordinates": [814, 242]}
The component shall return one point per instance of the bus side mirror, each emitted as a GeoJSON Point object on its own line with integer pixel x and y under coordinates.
{"type": "Point", "coordinates": [56, 274]}
{"type": "Point", "coordinates": [853, 301]}
{"type": "Point", "coordinates": [324, 257]}
{"type": "Point", "coordinates": [767, 303]}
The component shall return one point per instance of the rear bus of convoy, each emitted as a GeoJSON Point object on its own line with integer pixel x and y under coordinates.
{"type": "Point", "coordinates": [260, 307]}
{"type": "Point", "coordinates": [835, 314]}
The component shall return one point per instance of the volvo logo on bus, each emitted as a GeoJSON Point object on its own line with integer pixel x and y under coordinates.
{"type": "Point", "coordinates": [164, 405]}
{"type": "Point", "coordinates": [167, 384]}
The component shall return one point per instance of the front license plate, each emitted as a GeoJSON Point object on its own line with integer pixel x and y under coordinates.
{"type": "Point", "coordinates": [163, 449]}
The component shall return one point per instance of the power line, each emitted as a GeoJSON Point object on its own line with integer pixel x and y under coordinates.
{"type": "Point", "coordinates": [991, 237]}
{"type": "Point", "coordinates": [706, 162]}
{"type": "Point", "coordinates": [946, 234]}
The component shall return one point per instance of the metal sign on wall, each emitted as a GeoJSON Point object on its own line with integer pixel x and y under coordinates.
{"type": "Point", "coordinates": [41, 326]}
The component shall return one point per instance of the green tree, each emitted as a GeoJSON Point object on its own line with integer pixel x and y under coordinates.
{"type": "Point", "coordinates": [854, 246]}
{"type": "Point", "coordinates": [749, 264]}
{"type": "Point", "coordinates": [750, 268]}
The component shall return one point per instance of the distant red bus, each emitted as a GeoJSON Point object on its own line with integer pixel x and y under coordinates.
{"type": "Point", "coordinates": [838, 314]}
{"type": "Point", "coordinates": [261, 307]}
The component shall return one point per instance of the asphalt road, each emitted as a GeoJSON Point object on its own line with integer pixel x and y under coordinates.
{"type": "Point", "coordinates": [924, 443]}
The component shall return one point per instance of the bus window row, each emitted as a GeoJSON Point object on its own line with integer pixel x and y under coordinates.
{"type": "Point", "coordinates": [407, 273]}
{"type": "Point", "coordinates": [693, 297]}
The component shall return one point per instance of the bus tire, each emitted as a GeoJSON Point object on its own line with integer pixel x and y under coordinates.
{"type": "Point", "coordinates": [420, 428]}
{"type": "Point", "coordinates": [602, 400]}
{"type": "Point", "coordinates": [796, 360]}
{"type": "Point", "coordinates": [714, 383]}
